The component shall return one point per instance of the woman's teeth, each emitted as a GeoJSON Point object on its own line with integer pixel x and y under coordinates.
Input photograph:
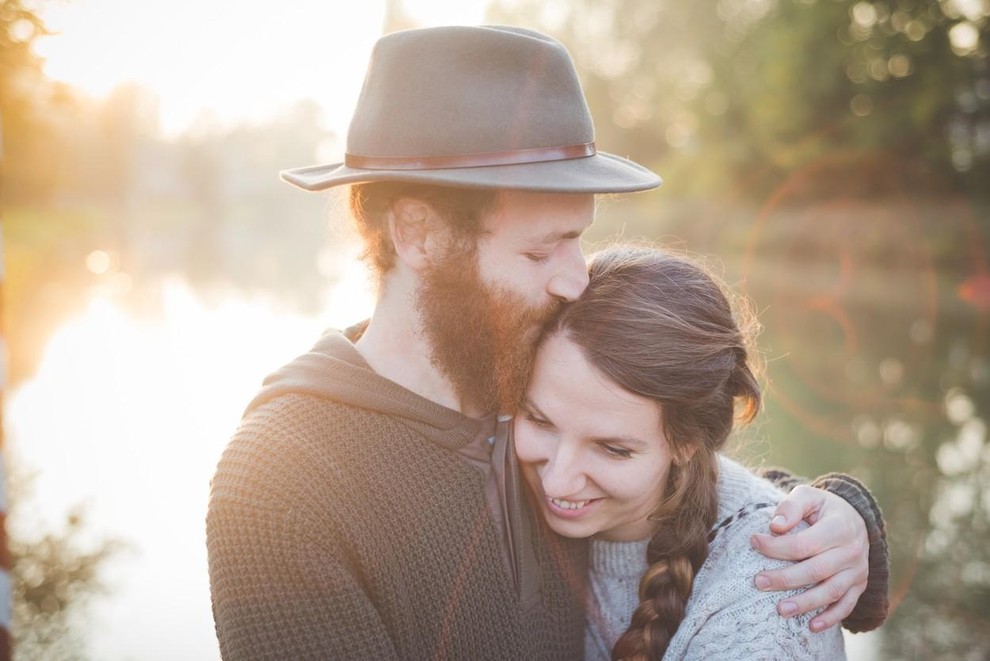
{"type": "Point", "coordinates": [569, 504]}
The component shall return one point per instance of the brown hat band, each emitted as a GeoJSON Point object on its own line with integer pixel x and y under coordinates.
{"type": "Point", "coordinates": [511, 157]}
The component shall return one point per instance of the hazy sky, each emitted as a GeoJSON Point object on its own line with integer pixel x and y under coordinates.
{"type": "Point", "coordinates": [235, 60]}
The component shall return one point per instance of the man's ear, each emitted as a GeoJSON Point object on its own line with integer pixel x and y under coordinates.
{"type": "Point", "coordinates": [410, 222]}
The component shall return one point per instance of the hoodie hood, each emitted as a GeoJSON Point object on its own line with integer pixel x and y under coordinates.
{"type": "Point", "coordinates": [335, 371]}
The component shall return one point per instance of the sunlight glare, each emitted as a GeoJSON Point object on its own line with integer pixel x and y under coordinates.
{"type": "Point", "coordinates": [127, 417]}
{"type": "Point", "coordinates": [232, 61]}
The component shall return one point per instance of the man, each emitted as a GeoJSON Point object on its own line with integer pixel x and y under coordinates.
{"type": "Point", "coordinates": [368, 506]}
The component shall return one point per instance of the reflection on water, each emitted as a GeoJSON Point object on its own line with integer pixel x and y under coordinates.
{"type": "Point", "coordinates": [877, 333]}
{"type": "Point", "coordinates": [127, 416]}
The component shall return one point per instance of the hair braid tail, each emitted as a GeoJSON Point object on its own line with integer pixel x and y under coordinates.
{"type": "Point", "coordinates": [676, 552]}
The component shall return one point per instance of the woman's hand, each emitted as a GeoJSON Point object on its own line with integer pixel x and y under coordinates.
{"type": "Point", "coordinates": [831, 555]}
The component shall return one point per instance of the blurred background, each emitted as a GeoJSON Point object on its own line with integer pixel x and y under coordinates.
{"type": "Point", "coordinates": [832, 157]}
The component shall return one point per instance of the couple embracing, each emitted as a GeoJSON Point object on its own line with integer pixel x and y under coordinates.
{"type": "Point", "coordinates": [518, 455]}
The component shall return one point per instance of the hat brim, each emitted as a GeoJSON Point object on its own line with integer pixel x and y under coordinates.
{"type": "Point", "coordinates": [601, 173]}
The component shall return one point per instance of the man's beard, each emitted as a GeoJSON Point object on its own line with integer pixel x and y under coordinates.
{"type": "Point", "coordinates": [481, 337]}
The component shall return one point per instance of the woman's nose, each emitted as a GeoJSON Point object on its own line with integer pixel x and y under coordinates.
{"type": "Point", "coordinates": [562, 475]}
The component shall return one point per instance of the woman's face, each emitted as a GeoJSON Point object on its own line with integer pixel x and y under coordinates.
{"type": "Point", "coordinates": [593, 453]}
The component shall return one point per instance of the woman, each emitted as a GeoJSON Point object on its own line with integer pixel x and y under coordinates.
{"type": "Point", "coordinates": [634, 392]}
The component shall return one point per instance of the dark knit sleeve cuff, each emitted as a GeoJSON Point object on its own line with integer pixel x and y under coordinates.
{"type": "Point", "coordinates": [783, 479]}
{"type": "Point", "coordinates": [872, 608]}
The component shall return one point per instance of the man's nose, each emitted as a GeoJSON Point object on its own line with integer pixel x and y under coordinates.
{"type": "Point", "coordinates": [571, 276]}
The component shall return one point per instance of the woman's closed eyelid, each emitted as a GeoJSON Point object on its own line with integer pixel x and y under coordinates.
{"type": "Point", "coordinates": [617, 452]}
{"type": "Point", "coordinates": [538, 421]}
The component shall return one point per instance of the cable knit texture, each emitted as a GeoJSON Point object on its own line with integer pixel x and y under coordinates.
{"type": "Point", "coordinates": [726, 616]}
{"type": "Point", "coordinates": [342, 524]}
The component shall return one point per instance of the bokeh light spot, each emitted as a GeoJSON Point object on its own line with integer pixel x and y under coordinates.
{"type": "Point", "coordinates": [21, 30]}
{"type": "Point", "coordinates": [916, 30]}
{"type": "Point", "coordinates": [899, 436]}
{"type": "Point", "coordinates": [861, 105]}
{"type": "Point", "coordinates": [958, 407]}
{"type": "Point", "coordinates": [879, 70]}
{"type": "Point", "coordinates": [891, 371]}
{"type": "Point", "coordinates": [964, 37]}
{"type": "Point", "coordinates": [899, 65]}
{"type": "Point", "coordinates": [867, 432]}
{"type": "Point", "coordinates": [98, 262]}
{"type": "Point", "coordinates": [864, 14]}
{"type": "Point", "coordinates": [856, 72]}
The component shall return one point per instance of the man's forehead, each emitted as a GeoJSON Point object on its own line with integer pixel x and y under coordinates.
{"type": "Point", "coordinates": [540, 217]}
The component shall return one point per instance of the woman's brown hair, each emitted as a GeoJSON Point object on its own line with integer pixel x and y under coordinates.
{"type": "Point", "coordinates": [662, 327]}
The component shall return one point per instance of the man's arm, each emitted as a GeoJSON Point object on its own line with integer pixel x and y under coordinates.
{"type": "Point", "coordinates": [728, 618]}
{"type": "Point", "coordinates": [843, 554]}
{"type": "Point", "coordinates": [279, 595]}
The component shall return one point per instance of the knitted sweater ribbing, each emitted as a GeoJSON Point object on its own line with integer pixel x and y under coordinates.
{"type": "Point", "coordinates": [726, 616]}
{"type": "Point", "coordinates": [342, 524]}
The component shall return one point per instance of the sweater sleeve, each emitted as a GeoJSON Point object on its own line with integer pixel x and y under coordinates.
{"type": "Point", "coordinates": [284, 582]}
{"type": "Point", "coordinates": [873, 606]}
{"type": "Point", "coordinates": [277, 595]}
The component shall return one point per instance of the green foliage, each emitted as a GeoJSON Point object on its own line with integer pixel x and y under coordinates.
{"type": "Point", "coordinates": [55, 576]}
{"type": "Point", "coordinates": [729, 98]}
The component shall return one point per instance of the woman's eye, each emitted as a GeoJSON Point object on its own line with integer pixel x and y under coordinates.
{"type": "Point", "coordinates": [538, 422]}
{"type": "Point", "coordinates": [538, 258]}
{"type": "Point", "coordinates": [619, 453]}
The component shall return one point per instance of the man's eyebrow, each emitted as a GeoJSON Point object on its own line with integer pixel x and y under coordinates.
{"type": "Point", "coordinates": [553, 237]}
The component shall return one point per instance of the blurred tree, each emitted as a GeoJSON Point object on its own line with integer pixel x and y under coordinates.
{"type": "Point", "coordinates": [55, 576]}
{"type": "Point", "coordinates": [730, 97]}
{"type": "Point", "coordinates": [26, 133]}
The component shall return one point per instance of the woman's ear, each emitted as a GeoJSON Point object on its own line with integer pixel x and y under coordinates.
{"type": "Point", "coordinates": [409, 222]}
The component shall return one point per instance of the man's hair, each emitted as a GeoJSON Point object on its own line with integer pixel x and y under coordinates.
{"type": "Point", "coordinates": [661, 326]}
{"type": "Point", "coordinates": [462, 208]}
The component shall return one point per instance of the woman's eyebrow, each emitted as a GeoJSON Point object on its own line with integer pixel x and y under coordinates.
{"type": "Point", "coordinates": [532, 406]}
{"type": "Point", "coordinates": [633, 442]}
{"type": "Point", "coordinates": [630, 441]}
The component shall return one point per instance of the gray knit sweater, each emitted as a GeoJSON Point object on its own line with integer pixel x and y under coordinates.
{"type": "Point", "coordinates": [726, 616]}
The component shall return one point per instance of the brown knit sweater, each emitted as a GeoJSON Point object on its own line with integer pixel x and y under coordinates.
{"type": "Point", "coordinates": [342, 524]}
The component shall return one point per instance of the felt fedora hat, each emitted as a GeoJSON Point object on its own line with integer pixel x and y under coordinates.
{"type": "Point", "coordinates": [475, 106]}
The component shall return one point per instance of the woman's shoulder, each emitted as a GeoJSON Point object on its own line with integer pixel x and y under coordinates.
{"type": "Point", "coordinates": [727, 616]}
{"type": "Point", "coordinates": [746, 506]}
{"type": "Point", "coordinates": [739, 488]}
